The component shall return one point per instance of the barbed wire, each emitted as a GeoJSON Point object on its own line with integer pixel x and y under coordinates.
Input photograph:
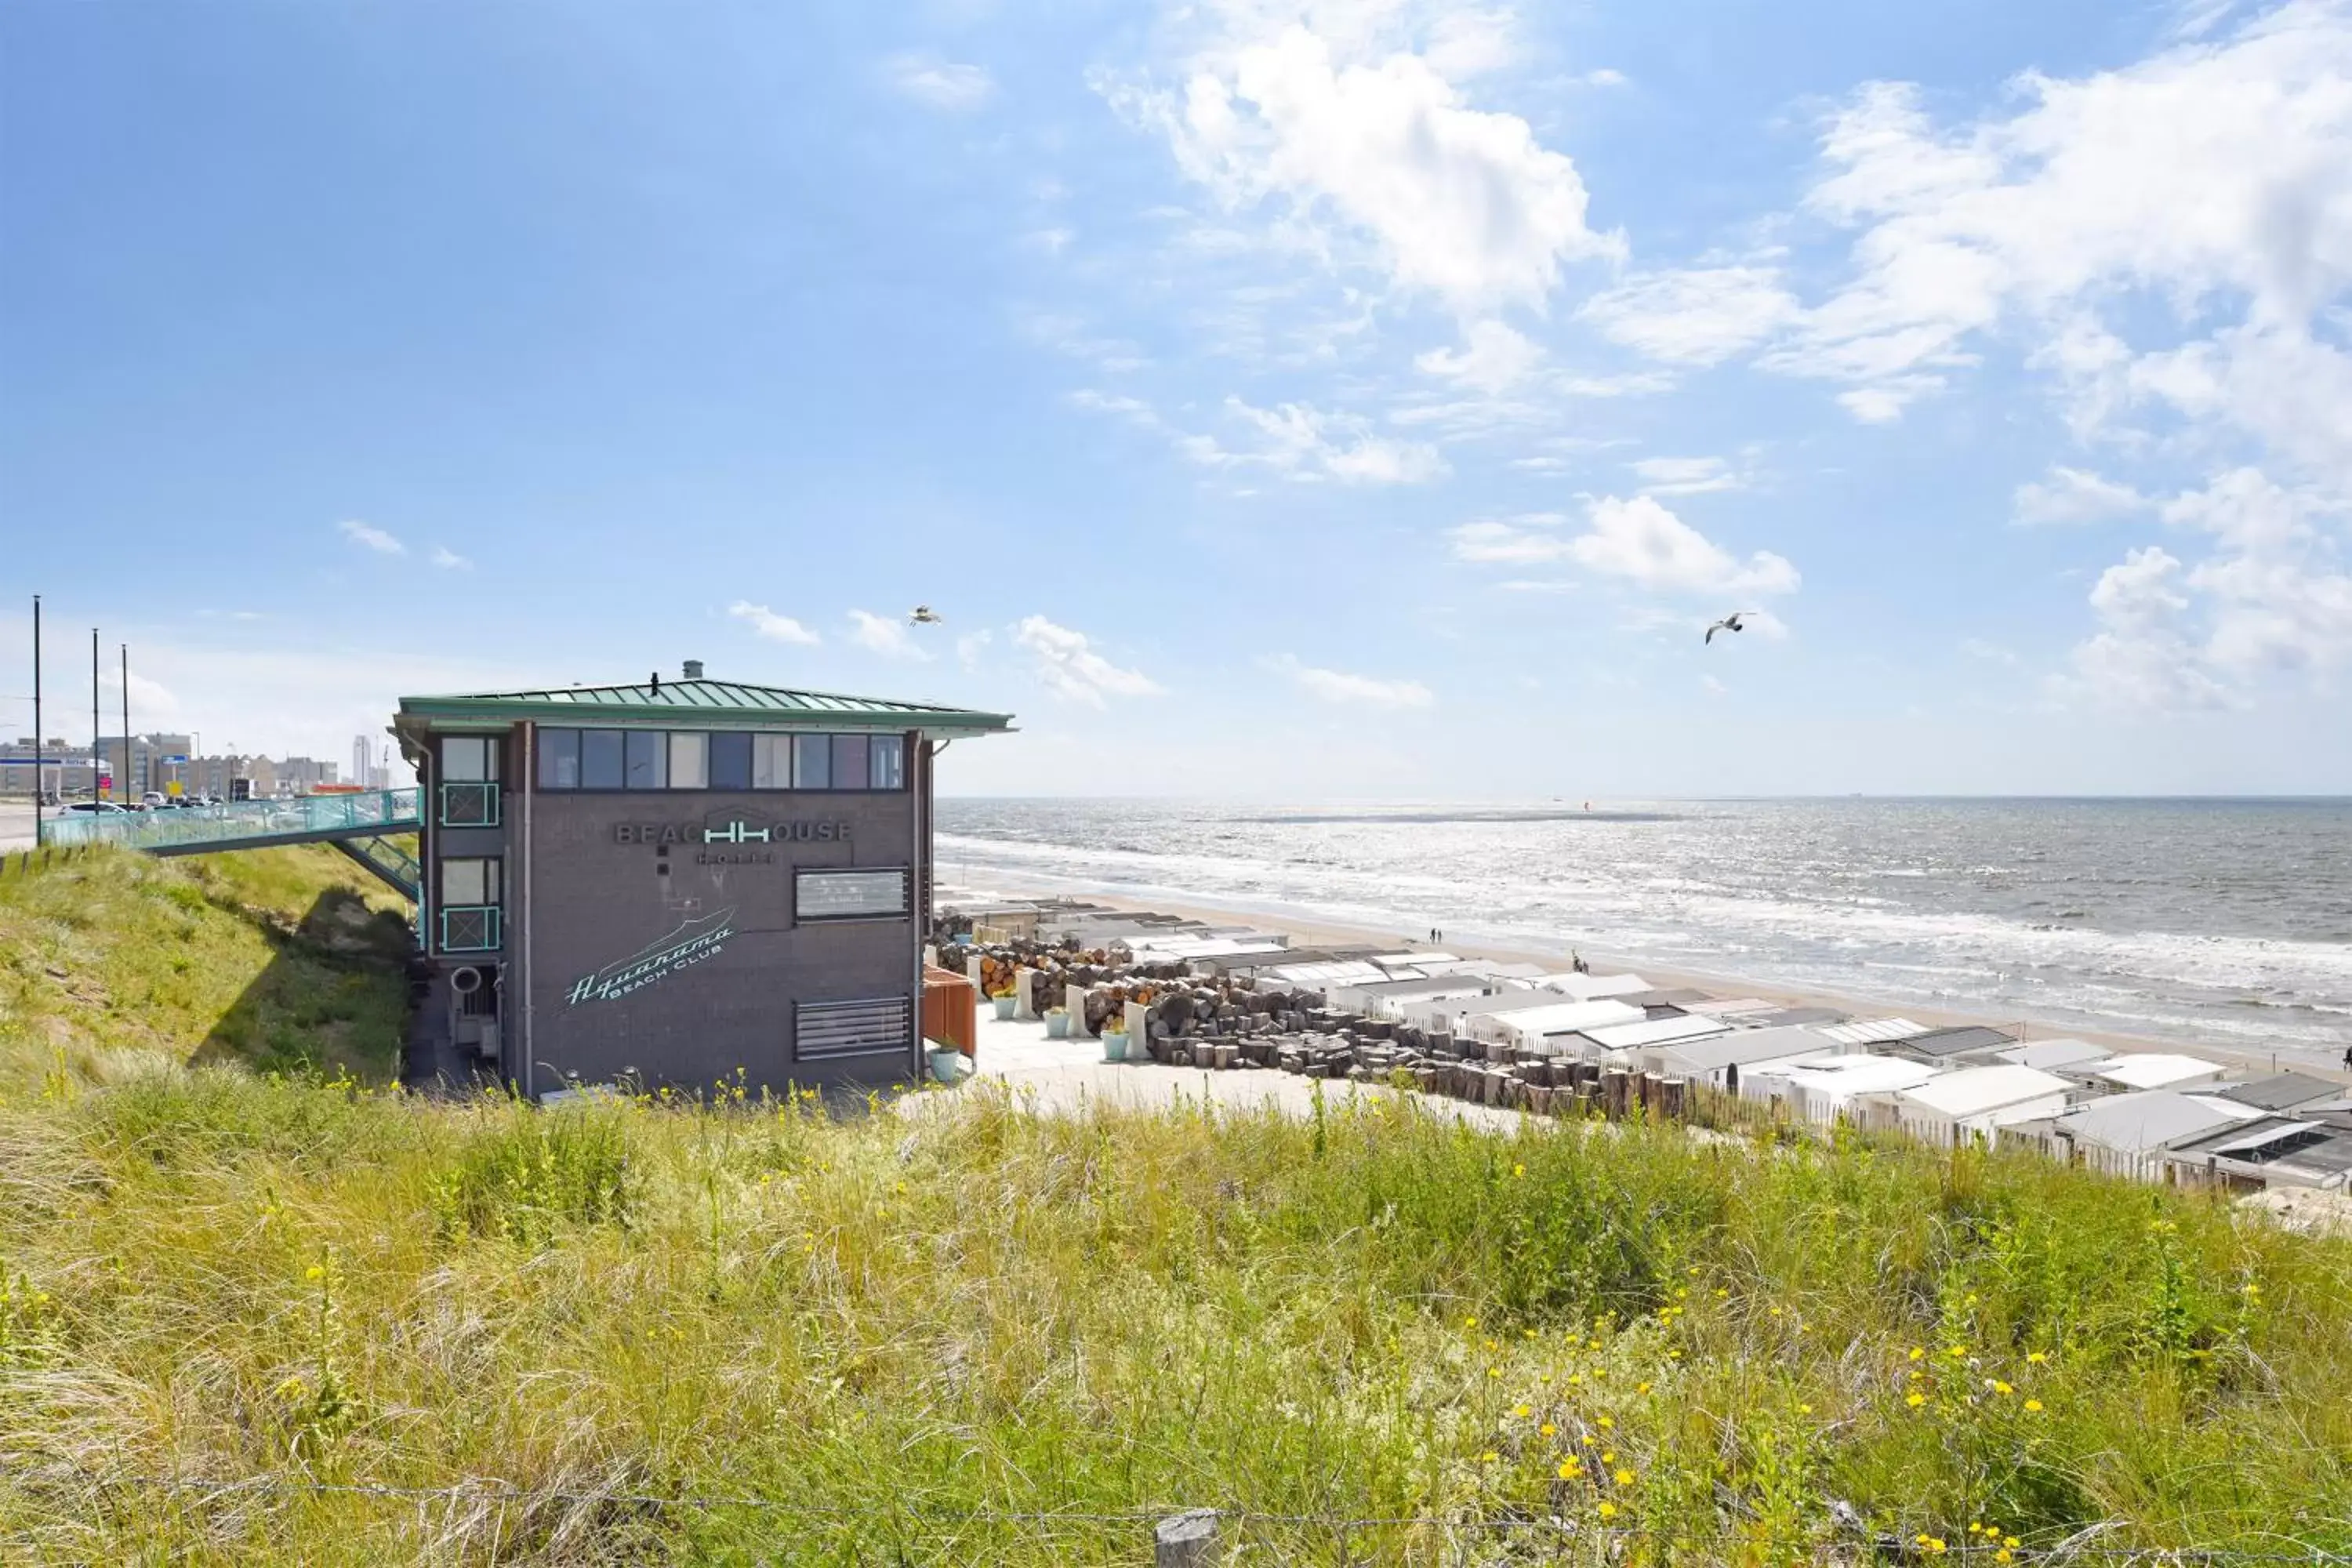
{"type": "Point", "coordinates": [506, 1492]}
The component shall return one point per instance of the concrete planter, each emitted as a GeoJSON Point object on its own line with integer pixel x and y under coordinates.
{"type": "Point", "coordinates": [1057, 1026]}
{"type": "Point", "coordinates": [1114, 1042]}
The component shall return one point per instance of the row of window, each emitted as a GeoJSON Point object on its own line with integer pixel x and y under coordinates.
{"type": "Point", "coordinates": [719, 759]}
{"type": "Point", "coordinates": [473, 888]}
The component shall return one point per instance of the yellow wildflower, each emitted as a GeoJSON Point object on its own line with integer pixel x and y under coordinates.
{"type": "Point", "coordinates": [1604, 1423]}
{"type": "Point", "coordinates": [1521, 1410]}
{"type": "Point", "coordinates": [2034, 1405]}
{"type": "Point", "coordinates": [1919, 1353]}
{"type": "Point", "coordinates": [1518, 1170]}
{"type": "Point", "coordinates": [1609, 1511]}
{"type": "Point", "coordinates": [2002, 1388]}
{"type": "Point", "coordinates": [315, 1271]}
{"type": "Point", "coordinates": [1548, 1430]}
{"type": "Point", "coordinates": [1469, 1322]}
{"type": "Point", "coordinates": [1494, 1371]}
{"type": "Point", "coordinates": [1916, 1400]}
{"type": "Point", "coordinates": [1624, 1478]}
{"type": "Point", "coordinates": [1569, 1469]}
{"type": "Point", "coordinates": [2036, 1357]}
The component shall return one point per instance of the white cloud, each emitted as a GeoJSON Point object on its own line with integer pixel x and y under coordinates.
{"type": "Point", "coordinates": [1644, 543]}
{"type": "Point", "coordinates": [1636, 540]}
{"type": "Point", "coordinates": [2142, 657]}
{"type": "Point", "coordinates": [1338, 686]}
{"type": "Point", "coordinates": [1527, 540]}
{"type": "Point", "coordinates": [1066, 660]}
{"type": "Point", "coordinates": [1604, 76]}
{"type": "Point", "coordinates": [1686, 476]}
{"type": "Point", "coordinates": [1302, 442]}
{"type": "Point", "coordinates": [2215, 177]}
{"type": "Point", "coordinates": [2075, 495]}
{"type": "Point", "coordinates": [1051, 241]}
{"type": "Point", "coordinates": [764, 622]}
{"type": "Point", "coordinates": [885, 635]}
{"type": "Point", "coordinates": [1290, 438]}
{"type": "Point", "coordinates": [2271, 599]}
{"type": "Point", "coordinates": [971, 646]}
{"type": "Point", "coordinates": [940, 84]}
{"type": "Point", "coordinates": [1345, 127]}
{"type": "Point", "coordinates": [375, 539]}
{"type": "Point", "coordinates": [1697, 316]}
{"type": "Point", "coordinates": [1493, 358]}
{"type": "Point", "coordinates": [449, 560]}
{"type": "Point", "coordinates": [1712, 687]}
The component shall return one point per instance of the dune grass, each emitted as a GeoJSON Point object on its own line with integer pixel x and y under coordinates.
{"type": "Point", "coordinates": [113, 963]}
{"type": "Point", "coordinates": [285, 1316]}
{"type": "Point", "coordinates": [970, 1333]}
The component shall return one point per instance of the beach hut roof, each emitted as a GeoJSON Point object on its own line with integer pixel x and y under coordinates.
{"type": "Point", "coordinates": [1972, 1091]}
{"type": "Point", "coordinates": [1859, 1074]}
{"type": "Point", "coordinates": [2288, 1090]}
{"type": "Point", "coordinates": [1742, 1046]}
{"type": "Point", "coordinates": [1874, 1031]}
{"type": "Point", "coordinates": [2049, 1054]}
{"type": "Point", "coordinates": [2151, 1118]}
{"type": "Point", "coordinates": [2153, 1069]}
{"type": "Point", "coordinates": [1655, 1031]}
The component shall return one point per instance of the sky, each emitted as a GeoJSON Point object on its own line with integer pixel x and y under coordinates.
{"type": "Point", "coordinates": [1359, 401]}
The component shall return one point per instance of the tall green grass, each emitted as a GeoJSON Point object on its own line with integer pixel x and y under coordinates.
{"type": "Point", "coordinates": [112, 963]}
{"type": "Point", "coordinates": [969, 1334]}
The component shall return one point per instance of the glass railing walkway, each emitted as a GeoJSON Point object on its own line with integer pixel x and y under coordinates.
{"type": "Point", "coordinates": [249, 824]}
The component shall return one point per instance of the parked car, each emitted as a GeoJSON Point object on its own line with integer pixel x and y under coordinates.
{"type": "Point", "coordinates": [100, 806]}
{"type": "Point", "coordinates": [154, 800]}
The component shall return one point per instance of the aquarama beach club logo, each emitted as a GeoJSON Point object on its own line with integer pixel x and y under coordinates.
{"type": "Point", "coordinates": [689, 944]}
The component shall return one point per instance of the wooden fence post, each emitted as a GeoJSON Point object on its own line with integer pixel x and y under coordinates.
{"type": "Point", "coordinates": [1187, 1541]}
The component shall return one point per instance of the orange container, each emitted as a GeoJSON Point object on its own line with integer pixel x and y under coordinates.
{"type": "Point", "coordinates": [951, 1010]}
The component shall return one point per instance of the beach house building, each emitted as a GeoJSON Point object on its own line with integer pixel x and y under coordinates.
{"type": "Point", "coordinates": [2269, 1151]}
{"type": "Point", "coordinates": [1967, 1105]}
{"type": "Point", "coordinates": [1822, 1089]}
{"type": "Point", "coordinates": [676, 882]}
{"type": "Point", "coordinates": [2127, 1134]}
{"type": "Point", "coordinates": [2153, 1069]}
{"type": "Point", "coordinates": [1719, 1060]}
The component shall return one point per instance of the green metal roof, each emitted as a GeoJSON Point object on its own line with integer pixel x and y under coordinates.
{"type": "Point", "coordinates": [723, 704]}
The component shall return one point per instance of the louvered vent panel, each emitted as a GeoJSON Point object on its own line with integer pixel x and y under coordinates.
{"type": "Point", "coordinates": [826, 1029]}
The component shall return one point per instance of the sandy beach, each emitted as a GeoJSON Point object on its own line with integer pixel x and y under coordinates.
{"type": "Point", "coordinates": [1305, 933]}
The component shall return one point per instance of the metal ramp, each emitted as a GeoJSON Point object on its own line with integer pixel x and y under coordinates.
{"type": "Point", "coordinates": [395, 866]}
{"type": "Point", "coordinates": [360, 824]}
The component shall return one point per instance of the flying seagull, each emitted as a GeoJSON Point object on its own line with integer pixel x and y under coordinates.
{"type": "Point", "coordinates": [924, 615]}
{"type": "Point", "coordinates": [1730, 622]}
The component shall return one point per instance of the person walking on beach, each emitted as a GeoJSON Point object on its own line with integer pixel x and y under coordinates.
{"type": "Point", "coordinates": [1575, 962]}
{"type": "Point", "coordinates": [2347, 1058]}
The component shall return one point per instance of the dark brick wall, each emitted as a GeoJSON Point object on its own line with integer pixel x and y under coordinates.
{"type": "Point", "coordinates": [594, 902]}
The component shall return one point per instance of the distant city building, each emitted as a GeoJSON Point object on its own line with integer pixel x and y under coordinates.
{"type": "Point", "coordinates": [145, 766]}
{"type": "Point", "coordinates": [65, 768]}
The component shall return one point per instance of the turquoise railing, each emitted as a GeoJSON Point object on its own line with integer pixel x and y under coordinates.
{"type": "Point", "coordinates": [241, 821]}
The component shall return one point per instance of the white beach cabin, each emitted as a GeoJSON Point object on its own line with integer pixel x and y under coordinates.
{"type": "Point", "coordinates": [1962, 1106]}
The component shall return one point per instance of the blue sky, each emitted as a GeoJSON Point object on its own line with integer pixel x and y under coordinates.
{"type": "Point", "coordinates": [1275, 399]}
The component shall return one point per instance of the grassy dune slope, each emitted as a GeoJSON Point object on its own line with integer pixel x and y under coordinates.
{"type": "Point", "coordinates": [288, 1318]}
{"type": "Point", "coordinates": [277, 958]}
{"type": "Point", "coordinates": [902, 1330]}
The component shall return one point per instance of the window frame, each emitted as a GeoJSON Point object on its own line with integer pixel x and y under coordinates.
{"type": "Point", "coordinates": [905, 911]}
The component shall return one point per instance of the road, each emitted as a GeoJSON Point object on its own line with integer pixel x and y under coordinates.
{"type": "Point", "coordinates": [16, 825]}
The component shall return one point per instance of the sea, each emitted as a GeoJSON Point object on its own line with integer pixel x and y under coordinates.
{"type": "Point", "coordinates": [2226, 922]}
